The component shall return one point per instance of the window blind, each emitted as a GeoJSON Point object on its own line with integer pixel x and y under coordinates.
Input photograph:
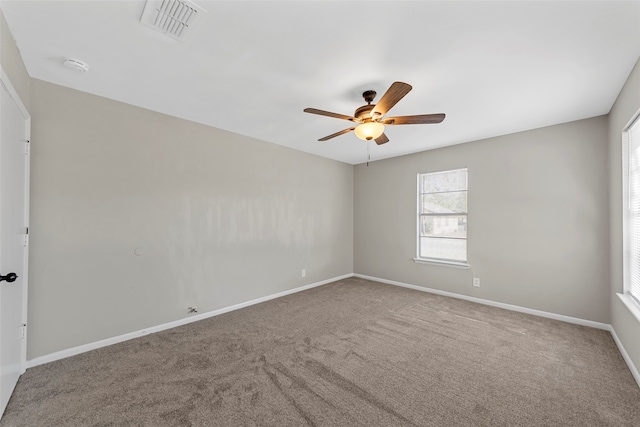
{"type": "Point", "coordinates": [631, 226]}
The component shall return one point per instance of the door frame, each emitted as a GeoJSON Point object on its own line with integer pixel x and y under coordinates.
{"type": "Point", "coordinates": [6, 83]}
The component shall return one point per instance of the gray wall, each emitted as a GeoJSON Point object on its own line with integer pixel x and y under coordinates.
{"type": "Point", "coordinates": [538, 219]}
{"type": "Point", "coordinates": [627, 327]}
{"type": "Point", "coordinates": [222, 218]}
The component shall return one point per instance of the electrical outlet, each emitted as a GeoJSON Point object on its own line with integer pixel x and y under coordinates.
{"type": "Point", "coordinates": [303, 273]}
{"type": "Point", "coordinates": [476, 282]}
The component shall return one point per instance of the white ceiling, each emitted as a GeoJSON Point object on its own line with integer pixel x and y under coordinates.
{"type": "Point", "coordinates": [251, 67]}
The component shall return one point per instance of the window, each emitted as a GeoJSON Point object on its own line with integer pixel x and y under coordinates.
{"type": "Point", "coordinates": [631, 208]}
{"type": "Point", "coordinates": [442, 217]}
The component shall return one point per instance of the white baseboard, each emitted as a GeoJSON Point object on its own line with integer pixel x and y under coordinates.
{"type": "Point", "coordinates": [114, 340]}
{"type": "Point", "coordinates": [563, 318]}
{"type": "Point", "coordinates": [511, 307]}
{"type": "Point", "coordinates": [625, 356]}
{"type": "Point", "coordinates": [131, 335]}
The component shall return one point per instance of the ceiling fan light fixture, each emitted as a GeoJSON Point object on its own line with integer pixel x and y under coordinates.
{"type": "Point", "coordinates": [370, 117]}
{"type": "Point", "coordinates": [369, 130]}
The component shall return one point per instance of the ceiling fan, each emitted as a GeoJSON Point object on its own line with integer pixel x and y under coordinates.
{"type": "Point", "coordinates": [370, 117]}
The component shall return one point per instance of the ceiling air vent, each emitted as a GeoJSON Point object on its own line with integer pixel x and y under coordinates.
{"type": "Point", "coordinates": [175, 18]}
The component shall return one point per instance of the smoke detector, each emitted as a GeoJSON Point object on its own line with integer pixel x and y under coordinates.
{"type": "Point", "coordinates": [175, 18]}
{"type": "Point", "coordinates": [77, 65]}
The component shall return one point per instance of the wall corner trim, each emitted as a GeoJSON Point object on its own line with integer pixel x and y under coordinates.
{"type": "Point", "coordinates": [62, 354]}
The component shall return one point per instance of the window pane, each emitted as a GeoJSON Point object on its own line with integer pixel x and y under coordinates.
{"type": "Point", "coordinates": [444, 226]}
{"type": "Point", "coordinates": [454, 180]}
{"type": "Point", "coordinates": [443, 215]}
{"type": "Point", "coordinates": [445, 202]}
{"type": "Point", "coordinates": [450, 249]}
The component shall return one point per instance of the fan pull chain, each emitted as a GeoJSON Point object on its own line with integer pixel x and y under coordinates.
{"type": "Point", "coordinates": [368, 151]}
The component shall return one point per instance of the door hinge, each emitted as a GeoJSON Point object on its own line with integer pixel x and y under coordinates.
{"type": "Point", "coordinates": [23, 331]}
{"type": "Point", "coordinates": [26, 146]}
{"type": "Point", "coordinates": [26, 236]}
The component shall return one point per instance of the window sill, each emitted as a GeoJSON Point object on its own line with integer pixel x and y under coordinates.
{"type": "Point", "coordinates": [453, 264]}
{"type": "Point", "coordinates": [631, 304]}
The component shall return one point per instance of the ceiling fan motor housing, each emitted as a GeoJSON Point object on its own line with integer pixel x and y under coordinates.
{"type": "Point", "coordinates": [363, 113]}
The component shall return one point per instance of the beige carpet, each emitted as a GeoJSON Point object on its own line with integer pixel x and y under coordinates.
{"type": "Point", "coordinates": [351, 353]}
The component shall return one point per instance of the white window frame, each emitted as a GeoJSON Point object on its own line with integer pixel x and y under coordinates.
{"type": "Point", "coordinates": [630, 299]}
{"type": "Point", "coordinates": [439, 261]}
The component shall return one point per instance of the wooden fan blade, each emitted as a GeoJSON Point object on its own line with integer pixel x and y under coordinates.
{"type": "Point", "coordinates": [330, 114]}
{"type": "Point", "coordinates": [382, 139]}
{"type": "Point", "coordinates": [333, 135]}
{"type": "Point", "coordinates": [414, 120]}
{"type": "Point", "coordinates": [395, 93]}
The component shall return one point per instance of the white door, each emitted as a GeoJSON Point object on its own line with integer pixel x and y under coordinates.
{"type": "Point", "coordinates": [14, 184]}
